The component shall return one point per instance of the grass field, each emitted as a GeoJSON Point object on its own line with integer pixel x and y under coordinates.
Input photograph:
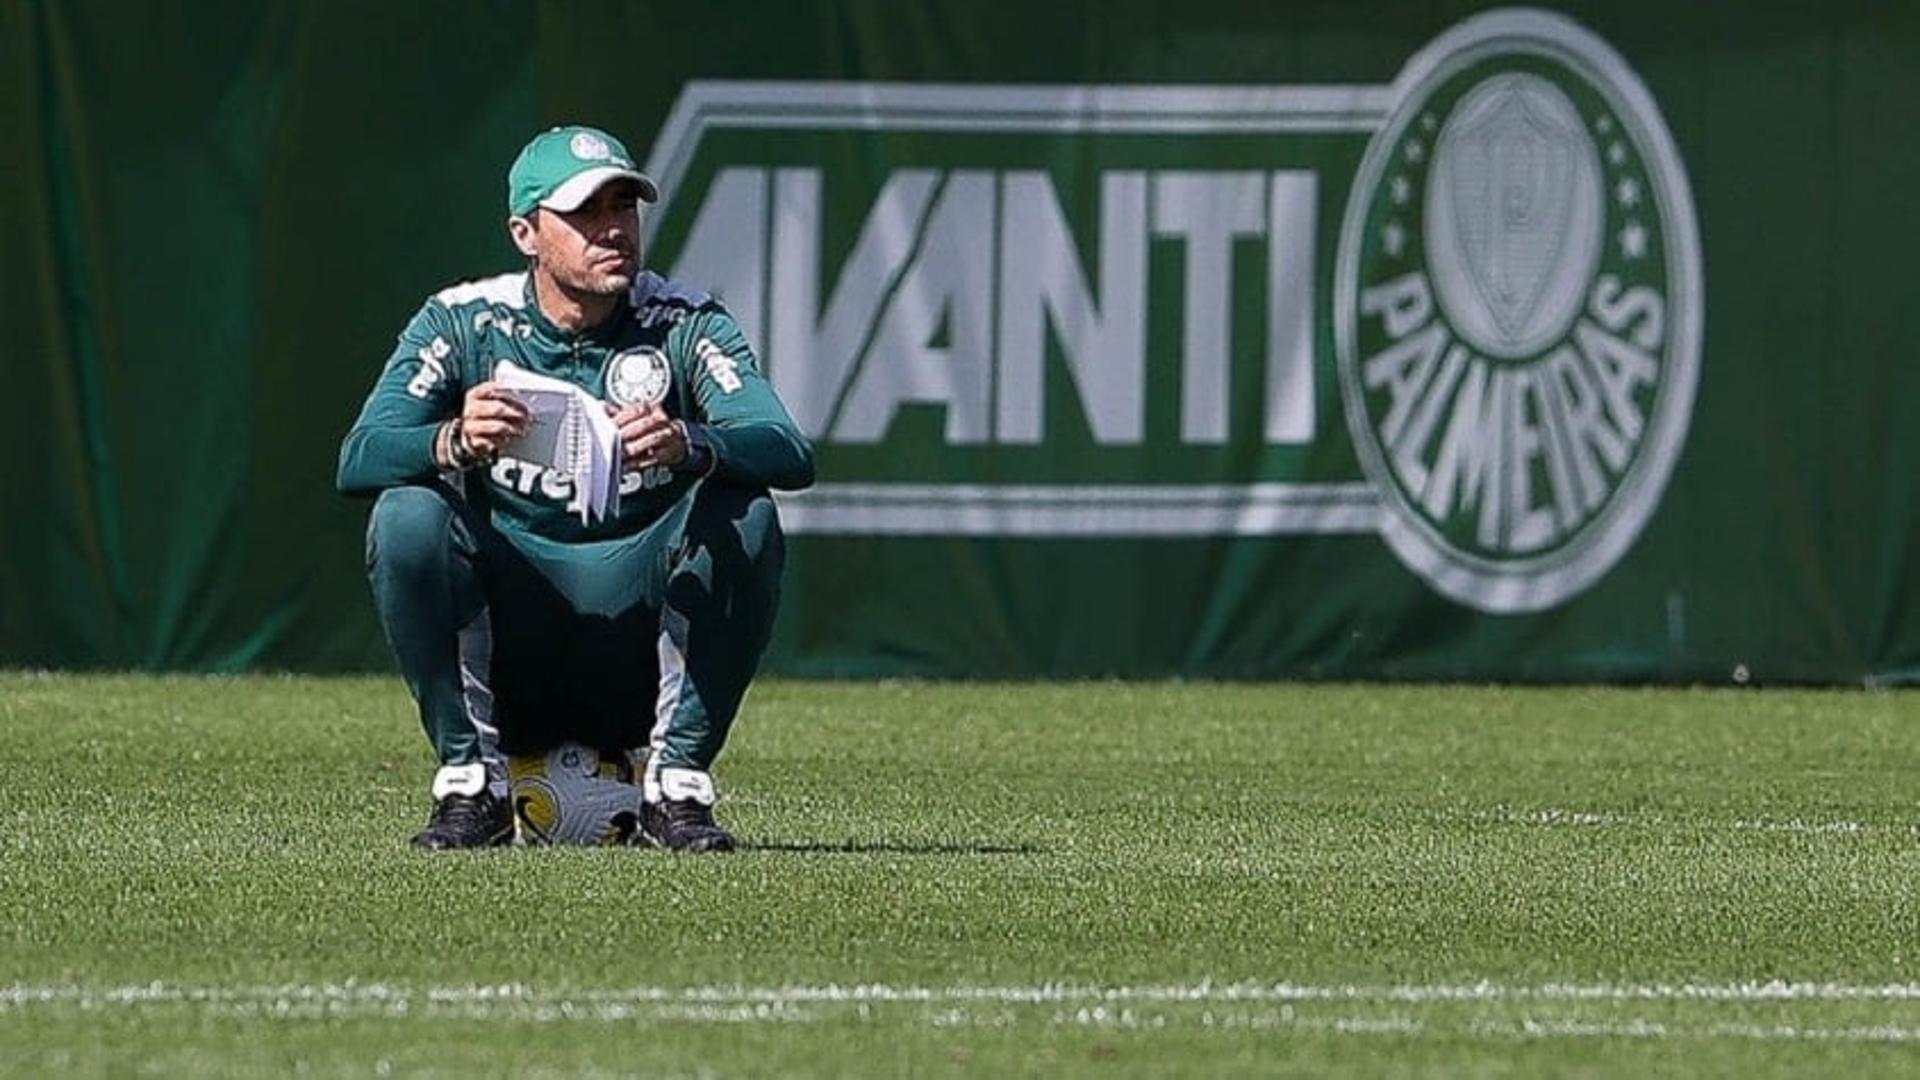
{"type": "Point", "coordinates": [209, 877]}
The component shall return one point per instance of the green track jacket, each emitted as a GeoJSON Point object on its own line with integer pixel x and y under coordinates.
{"type": "Point", "coordinates": [668, 344]}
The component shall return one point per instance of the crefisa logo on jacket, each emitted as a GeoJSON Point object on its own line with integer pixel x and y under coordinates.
{"type": "Point", "coordinates": [1461, 312]}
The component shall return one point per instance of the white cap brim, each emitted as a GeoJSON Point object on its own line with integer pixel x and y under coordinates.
{"type": "Point", "coordinates": [569, 196]}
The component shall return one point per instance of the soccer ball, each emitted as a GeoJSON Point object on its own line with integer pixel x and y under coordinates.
{"type": "Point", "coordinates": [574, 795]}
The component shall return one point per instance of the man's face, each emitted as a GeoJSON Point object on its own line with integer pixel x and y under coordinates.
{"type": "Point", "coordinates": [593, 249]}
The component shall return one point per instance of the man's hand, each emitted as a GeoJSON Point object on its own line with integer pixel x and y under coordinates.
{"type": "Point", "coordinates": [490, 418]}
{"type": "Point", "coordinates": [650, 437]}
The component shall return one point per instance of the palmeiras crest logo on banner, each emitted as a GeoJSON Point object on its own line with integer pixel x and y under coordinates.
{"type": "Point", "coordinates": [1517, 310]}
{"type": "Point", "coordinates": [1460, 312]}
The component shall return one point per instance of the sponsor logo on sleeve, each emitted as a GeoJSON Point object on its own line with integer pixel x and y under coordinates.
{"type": "Point", "coordinates": [433, 367]}
{"type": "Point", "coordinates": [721, 368]}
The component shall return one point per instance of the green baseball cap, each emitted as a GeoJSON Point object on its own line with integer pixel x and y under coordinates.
{"type": "Point", "coordinates": [562, 167]}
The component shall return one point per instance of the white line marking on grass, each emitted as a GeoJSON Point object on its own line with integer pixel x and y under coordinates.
{"type": "Point", "coordinates": [1786, 1032]}
{"type": "Point", "coordinates": [1554, 817]}
{"type": "Point", "coordinates": [1650, 1029]}
{"type": "Point", "coordinates": [1207, 1005]}
{"type": "Point", "coordinates": [1799, 825]}
{"type": "Point", "coordinates": [20, 995]}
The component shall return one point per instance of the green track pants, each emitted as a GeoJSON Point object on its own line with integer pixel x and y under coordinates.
{"type": "Point", "coordinates": [515, 645]}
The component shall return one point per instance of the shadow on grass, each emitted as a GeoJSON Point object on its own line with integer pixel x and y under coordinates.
{"type": "Point", "coordinates": [887, 847]}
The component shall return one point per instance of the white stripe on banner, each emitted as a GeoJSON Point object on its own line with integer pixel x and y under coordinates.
{"type": "Point", "coordinates": [839, 106]}
{"type": "Point", "coordinates": [1086, 510]}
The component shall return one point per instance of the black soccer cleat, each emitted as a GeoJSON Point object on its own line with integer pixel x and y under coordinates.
{"type": "Point", "coordinates": [467, 821]}
{"type": "Point", "coordinates": [682, 825]}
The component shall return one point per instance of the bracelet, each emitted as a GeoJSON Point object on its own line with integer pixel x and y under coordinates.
{"type": "Point", "coordinates": [458, 454]}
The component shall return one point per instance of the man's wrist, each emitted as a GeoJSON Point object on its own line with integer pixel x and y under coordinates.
{"type": "Point", "coordinates": [451, 449]}
{"type": "Point", "coordinates": [442, 445]}
{"type": "Point", "coordinates": [700, 458]}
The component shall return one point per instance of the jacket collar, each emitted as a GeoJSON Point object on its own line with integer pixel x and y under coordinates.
{"type": "Point", "coordinates": [606, 330]}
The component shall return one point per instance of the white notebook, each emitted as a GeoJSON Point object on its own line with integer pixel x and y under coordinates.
{"type": "Point", "coordinates": [569, 432]}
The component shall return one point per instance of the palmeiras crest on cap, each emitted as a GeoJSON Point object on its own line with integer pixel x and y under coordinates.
{"type": "Point", "coordinates": [589, 147]}
{"type": "Point", "coordinates": [638, 377]}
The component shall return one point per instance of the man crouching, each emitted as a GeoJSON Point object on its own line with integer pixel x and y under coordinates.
{"type": "Point", "coordinates": [519, 622]}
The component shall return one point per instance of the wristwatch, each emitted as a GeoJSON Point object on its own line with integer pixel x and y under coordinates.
{"type": "Point", "coordinates": [459, 455]}
{"type": "Point", "coordinates": [700, 457]}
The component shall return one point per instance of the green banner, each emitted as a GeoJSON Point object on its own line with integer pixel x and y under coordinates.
{"type": "Point", "coordinates": [1382, 340]}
